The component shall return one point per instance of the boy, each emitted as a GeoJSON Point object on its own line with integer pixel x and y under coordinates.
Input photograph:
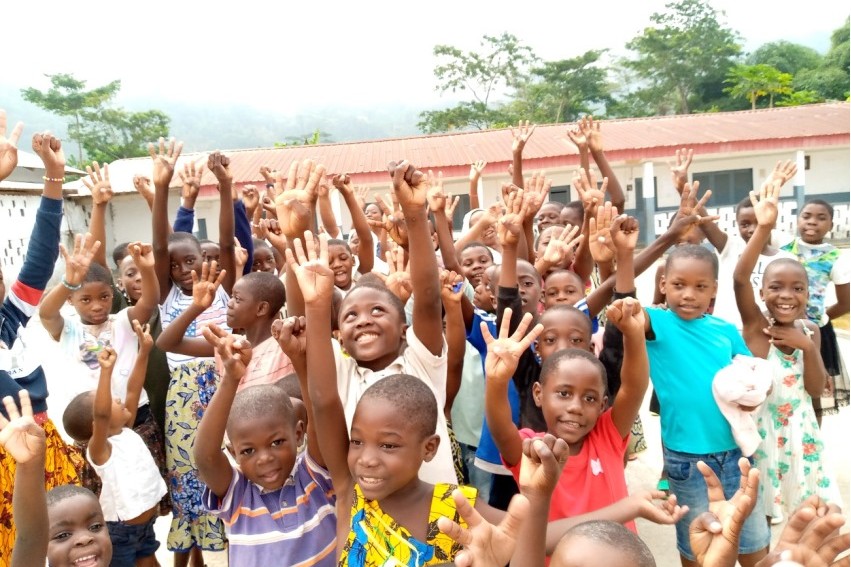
{"type": "Point", "coordinates": [277, 505]}
{"type": "Point", "coordinates": [686, 348]}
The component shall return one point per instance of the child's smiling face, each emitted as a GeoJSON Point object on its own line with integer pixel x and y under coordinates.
{"type": "Point", "coordinates": [689, 285]}
{"type": "Point", "coordinates": [785, 290]}
{"type": "Point", "coordinates": [78, 533]}
{"type": "Point", "coordinates": [371, 327]}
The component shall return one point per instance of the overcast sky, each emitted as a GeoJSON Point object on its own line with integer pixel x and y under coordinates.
{"type": "Point", "coordinates": [288, 55]}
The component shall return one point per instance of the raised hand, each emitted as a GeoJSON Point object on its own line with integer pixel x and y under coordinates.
{"type": "Point", "coordinates": [410, 185]}
{"type": "Point", "coordinates": [204, 287]}
{"type": "Point", "coordinates": [765, 202]}
{"type": "Point", "coordinates": [536, 190]}
{"type": "Point", "coordinates": [142, 185]}
{"type": "Point", "coordinates": [510, 224]}
{"type": "Point", "coordinates": [361, 193]}
{"type": "Point", "coordinates": [20, 436]}
{"type": "Point", "coordinates": [687, 217]}
{"type": "Point", "coordinates": [107, 357]}
{"type": "Point", "coordinates": [143, 335]}
{"type": "Point", "coordinates": [783, 171]}
{"type": "Point", "coordinates": [165, 158]}
{"type": "Point", "coordinates": [586, 185]}
{"type": "Point", "coordinates": [451, 205]}
{"type": "Point", "coordinates": [8, 146]}
{"type": "Point", "coordinates": [296, 199]}
{"type": "Point", "coordinates": [219, 165]}
{"type": "Point", "coordinates": [324, 188]}
{"type": "Point", "coordinates": [504, 352]}
{"type": "Point", "coordinates": [521, 135]}
{"type": "Point", "coordinates": [291, 335]}
{"type": "Point", "coordinates": [77, 263]}
{"type": "Point", "coordinates": [250, 198]}
{"type": "Point", "coordinates": [240, 256]}
{"type": "Point", "coordinates": [714, 535]}
{"type": "Point", "coordinates": [268, 204]}
{"type": "Point", "coordinates": [311, 269]}
{"type": "Point", "coordinates": [485, 545]}
{"type": "Point", "coordinates": [591, 131]}
{"type": "Point", "coordinates": [393, 222]}
{"type": "Point", "coordinates": [679, 169]}
{"type": "Point", "coordinates": [541, 465]}
{"type": "Point", "coordinates": [561, 247]}
{"type": "Point", "coordinates": [627, 315]}
{"type": "Point", "coordinates": [398, 280]}
{"type": "Point", "coordinates": [267, 173]}
{"type": "Point", "coordinates": [234, 351]}
{"type": "Point", "coordinates": [600, 242]}
{"type": "Point", "coordinates": [811, 539]}
{"type": "Point", "coordinates": [576, 136]}
{"type": "Point", "coordinates": [143, 255]}
{"type": "Point", "coordinates": [190, 177]}
{"type": "Point", "coordinates": [451, 286]}
{"type": "Point", "coordinates": [476, 169]}
{"type": "Point", "coordinates": [98, 183]}
{"type": "Point", "coordinates": [436, 197]}
{"type": "Point", "coordinates": [624, 232]}
{"type": "Point", "coordinates": [49, 149]}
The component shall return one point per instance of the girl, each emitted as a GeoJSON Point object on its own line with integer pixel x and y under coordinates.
{"type": "Point", "coordinates": [790, 457]}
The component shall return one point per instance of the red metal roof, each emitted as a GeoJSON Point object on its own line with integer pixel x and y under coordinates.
{"type": "Point", "coordinates": [625, 139]}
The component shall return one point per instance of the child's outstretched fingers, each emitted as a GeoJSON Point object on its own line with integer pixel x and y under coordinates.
{"type": "Point", "coordinates": [20, 436]}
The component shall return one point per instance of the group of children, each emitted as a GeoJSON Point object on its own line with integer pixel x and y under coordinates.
{"type": "Point", "coordinates": [288, 395]}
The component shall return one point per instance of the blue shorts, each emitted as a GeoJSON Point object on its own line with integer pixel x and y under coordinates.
{"type": "Point", "coordinates": [686, 481]}
{"type": "Point", "coordinates": [132, 542]}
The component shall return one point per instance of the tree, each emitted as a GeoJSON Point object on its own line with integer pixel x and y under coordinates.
{"type": "Point", "coordinates": [838, 55]}
{"type": "Point", "coordinates": [501, 64]}
{"type": "Point", "coordinates": [829, 83]}
{"type": "Point", "coordinates": [755, 81]}
{"type": "Point", "coordinates": [786, 57]}
{"type": "Point", "coordinates": [686, 47]}
{"type": "Point", "coordinates": [316, 137]}
{"type": "Point", "coordinates": [104, 133]}
{"type": "Point", "coordinates": [67, 97]}
{"type": "Point", "coordinates": [564, 90]}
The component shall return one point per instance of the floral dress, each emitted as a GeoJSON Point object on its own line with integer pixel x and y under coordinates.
{"type": "Point", "coordinates": [790, 457]}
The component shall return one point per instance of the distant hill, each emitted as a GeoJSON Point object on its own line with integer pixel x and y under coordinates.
{"type": "Point", "coordinates": [220, 126]}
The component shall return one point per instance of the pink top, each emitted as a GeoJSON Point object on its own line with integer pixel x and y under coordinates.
{"type": "Point", "coordinates": [268, 365]}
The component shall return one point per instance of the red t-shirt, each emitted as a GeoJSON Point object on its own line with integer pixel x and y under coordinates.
{"type": "Point", "coordinates": [594, 478]}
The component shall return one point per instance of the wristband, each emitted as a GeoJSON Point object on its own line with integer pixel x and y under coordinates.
{"type": "Point", "coordinates": [70, 287]}
{"type": "Point", "coordinates": [54, 179]}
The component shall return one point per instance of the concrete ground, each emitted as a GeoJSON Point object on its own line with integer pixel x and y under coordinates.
{"type": "Point", "coordinates": [643, 473]}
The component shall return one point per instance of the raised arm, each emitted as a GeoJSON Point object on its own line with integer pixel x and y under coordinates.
{"type": "Point", "coordinates": [99, 448]}
{"type": "Point", "coordinates": [520, 137]}
{"type": "Point", "coordinates": [190, 179]}
{"type": "Point", "coordinates": [101, 191]}
{"type": "Point", "coordinates": [577, 136]}
{"type": "Point", "coordinates": [218, 165]}
{"type": "Point", "coordinates": [366, 246]}
{"type": "Point", "coordinates": [503, 356]}
{"type": "Point", "coordinates": [476, 169]}
{"type": "Point", "coordinates": [451, 291]}
{"type": "Point", "coordinates": [9, 147]}
{"type": "Point", "coordinates": [143, 257]}
{"type": "Point", "coordinates": [214, 469]}
{"type": "Point", "coordinates": [164, 158]}
{"type": "Point", "coordinates": [628, 316]}
{"type": "Point", "coordinates": [326, 210]}
{"type": "Point", "coordinates": [76, 266]}
{"type": "Point", "coordinates": [309, 266]}
{"type": "Point", "coordinates": [140, 368]}
{"type": "Point", "coordinates": [25, 441]}
{"type": "Point", "coordinates": [622, 239]}
{"type": "Point", "coordinates": [592, 133]}
{"type": "Point", "coordinates": [411, 187]}
{"type": "Point", "coordinates": [204, 288]}
{"type": "Point", "coordinates": [586, 185]}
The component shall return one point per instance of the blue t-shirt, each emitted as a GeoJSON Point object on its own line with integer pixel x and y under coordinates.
{"type": "Point", "coordinates": [684, 357]}
{"type": "Point", "coordinates": [487, 451]}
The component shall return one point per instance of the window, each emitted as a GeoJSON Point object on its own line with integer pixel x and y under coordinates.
{"type": "Point", "coordinates": [560, 193]}
{"type": "Point", "coordinates": [462, 209]}
{"type": "Point", "coordinates": [202, 229]}
{"type": "Point", "coordinates": [728, 187]}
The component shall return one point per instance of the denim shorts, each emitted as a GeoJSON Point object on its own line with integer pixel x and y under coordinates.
{"type": "Point", "coordinates": [686, 482]}
{"type": "Point", "coordinates": [131, 542]}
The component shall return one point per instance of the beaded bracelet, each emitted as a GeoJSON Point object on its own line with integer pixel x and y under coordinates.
{"type": "Point", "coordinates": [70, 287]}
{"type": "Point", "coordinates": [54, 179]}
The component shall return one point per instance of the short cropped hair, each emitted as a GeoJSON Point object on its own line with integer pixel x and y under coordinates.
{"type": "Point", "coordinates": [552, 363]}
{"type": "Point", "coordinates": [743, 204]}
{"type": "Point", "coordinates": [260, 244]}
{"type": "Point", "coordinates": [266, 287]}
{"type": "Point", "coordinates": [98, 274]}
{"type": "Point", "coordinates": [571, 309]}
{"type": "Point", "coordinates": [696, 252]}
{"type": "Point", "coordinates": [559, 271]}
{"type": "Point", "coordinates": [120, 252]}
{"type": "Point", "coordinates": [184, 237]}
{"type": "Point", "coordinates": [412, 398]}
{"type": "Point", "coordinates": [339, 242]}
{"type": "Point", "coordinates": [782, 262]}
{"type": "Point", "coordinates": [65, 491]}
{"type": "Point", "coordinates": [578, 207]}
{"type": "Point", "coordinates": [477, 244]}
{"type": "Point", "coordinates": [614, 535]}
{"type": "Point", "coordinates": [392, 298]}
{"type": "Point", "coordinates": [78, 417]}
{"type": "Point", "coordinates": [260, 401]}
{"type": "Point", "coordinates": [822, 203]}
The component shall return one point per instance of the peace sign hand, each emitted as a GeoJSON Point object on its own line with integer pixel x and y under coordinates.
{"type": "Point", "coordinates": [20, 435]}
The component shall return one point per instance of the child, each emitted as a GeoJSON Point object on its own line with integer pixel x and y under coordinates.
{"type": "Point", "coordinates": [373, 332]}
{"type": "Point", "coordinates": [687, 347]}
{"type": "Point", "coordinates": [132, 485]}
{"type": "Point", "coordinates": [601, 542]}
{"type": "Point", "coordinates": [364, 252]}
{"type": "Point", "coordinates": [256, 302]}
{"type": "Point", "coordinates": [825, 263]}
{"type": "Point", "coordinates": [77, 529]}
{"type": "Point", "coordinates": [264, 257]}
{"type": "Point", "coordinates": [277, 504]}
{"type": "Point", "coordinates": [193, 379]}
{"type": "Point", "coordinates": [18, 369]}
{"type": "Point", "coordinates": [786, 421]}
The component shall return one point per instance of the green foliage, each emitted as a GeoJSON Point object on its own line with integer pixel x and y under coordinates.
{"type": "Point", "coordinates": [317, 137]}
{"type": "Point", "coordinates": [797, 98]}
{"type": "Point", "coordinates": [684, 47]}
{"type": "Point", "coordinates": [105, 133]}
{"type": "Point", "coordinates": [829, 83]}
{"type": "Point", "coordinates": [786, 57]}
{"type": "Point", "coordinates": [755, 81]}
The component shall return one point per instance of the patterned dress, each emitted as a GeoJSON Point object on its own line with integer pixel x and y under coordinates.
{"type": "Point", "coordinates": [790, 457]}
{"type": "Point", "coordinates": [375, 539]}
